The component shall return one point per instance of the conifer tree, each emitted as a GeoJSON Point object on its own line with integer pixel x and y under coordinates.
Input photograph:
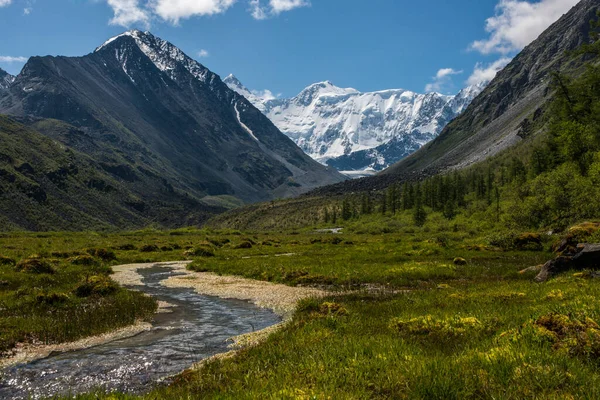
{"type": "Point", "coordinates": [346, 210]}
{"type": "Point", "coordinates": [419, 215]}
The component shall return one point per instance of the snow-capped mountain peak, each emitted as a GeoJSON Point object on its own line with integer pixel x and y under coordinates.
{"type": "Point", "coordinates": [349, 129]}
{"type": "Point", "coordinates": [165, 56]}
{"type": "Point", "coordinates": [257, 99]}
{"type": "Point", "coordinates": [322, 89]}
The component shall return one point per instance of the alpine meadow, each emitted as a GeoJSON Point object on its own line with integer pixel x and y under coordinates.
{"type": "Point", "coordinates": [167, 234]}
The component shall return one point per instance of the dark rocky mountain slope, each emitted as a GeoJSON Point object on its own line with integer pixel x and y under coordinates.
{"type": "Point", "coordinates": [141, 108]}
{"type": "Point", "coordinates": [492, 121]}
{"type": "Point", "coordinates": [5, 79]}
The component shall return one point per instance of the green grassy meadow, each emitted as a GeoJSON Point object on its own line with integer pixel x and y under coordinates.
{"type": "Point", "coordinates": [405, 320]}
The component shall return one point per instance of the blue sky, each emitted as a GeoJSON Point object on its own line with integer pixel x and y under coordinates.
{"type": "Point", "coordinates": [285, 45]}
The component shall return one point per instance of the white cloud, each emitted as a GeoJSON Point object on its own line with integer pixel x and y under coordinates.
{"type": "Point", "coordinates": [274, 7]}
{"type": "Point", "coordinates": [441, 79]}
{"type": "Point", "coordinates": [27, 10]}
{"type": "Point", "coordinates": [4, 3]}
{"type": "Point", "coordinates": [265, 94]}
{"type": "Point", "coordinates": [257, 11]}
{"type": "Point", "coordinates": [517, 23]}
{"type": "Point", "coordinates": [132, 12]}
{"type": "Point", "coordinates": [487, 72]}
{"type": "Point", "coordinates": [128, 12]}
{"type": "Point", "coordinates": [174, 10]}
{"type": "Point", "coordinates": [444, 72]}
{"type": "Point", "coordinates": [10, 59]}
{"type": "Point", "coordinates": [203, 53]}
{"type": "Point", "coordinates": [279, 6]}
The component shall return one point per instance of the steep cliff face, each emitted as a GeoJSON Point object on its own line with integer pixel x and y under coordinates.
{"type": "Point", "coordinates": [146, 108]}
{"type": "Point", "coordinates": [5, 79]}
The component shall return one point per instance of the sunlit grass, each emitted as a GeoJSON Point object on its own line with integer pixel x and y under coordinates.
{"type": "Point", "coordinates": [416, 325]}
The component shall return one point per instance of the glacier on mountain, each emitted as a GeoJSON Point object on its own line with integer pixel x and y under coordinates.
{"type": "Point", "coordinates": [352, 130]}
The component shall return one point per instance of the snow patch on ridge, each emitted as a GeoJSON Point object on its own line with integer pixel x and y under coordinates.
{"type": "Point", "coordinates": [246, 128]}
{"type": "Point", "coordinates": [163, 54]}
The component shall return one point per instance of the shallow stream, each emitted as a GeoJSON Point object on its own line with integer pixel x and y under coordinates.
{"type": "Point", "coordinates": [198, 327]}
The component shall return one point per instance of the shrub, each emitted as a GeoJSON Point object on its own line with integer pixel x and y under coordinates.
{"type": "Point", "coordinates": [504, 240]}
{"type": "Point", "coordinates": [63, 254]}
{"type": "Point", "coordinates": [96, 285]}
{"type": "Point", "coordinates": [7, 261]}
{"type": "Point", "coordinates": [197, 267]}
{"type": "Point", "coordinates": [437, 328]}
{"type": "Point", "coordinates": [218, 242]}
{"type": "Point", "coordinates": [519, 241]}
{"type": "Point", "coordinates": [568, 334]}
{"type": "Point", "coordinates": [34, 266]}
{"type": "Point", "coordinates": [293, 275]}
{"type": "Point", "coordinates": [199, 252]}
{"type": "Point", "coordinates": [332, 309]}
{"type": "Point", "coordinates": [149, 248]}
{"type": "Point", "coordinates": [529, 241]}
{"type": "Point", "coordinates": [460, 261]}
{"type": "Point", "coordinates": [582, 231]}
{"type": "Point", "coordinates": [126, 247]}
{"type": "Point", "coordinates": [442, 240]}
{"type": "Point", "coordinates": [103, 254]}
{"type": "Point", "coordinates": [51, 298]}
{"type": "Point", "coordinates": [317, 308]}
{"type": "Point", "coordinates": [244, 245]}
{"type": "Point", "coordinates": [85, 259]}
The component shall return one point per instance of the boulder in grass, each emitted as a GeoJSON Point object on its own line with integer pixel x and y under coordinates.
{"type": "Point", "coordinates": [584, 256]}
{"type": "Point", "coordinates": [577, 234]}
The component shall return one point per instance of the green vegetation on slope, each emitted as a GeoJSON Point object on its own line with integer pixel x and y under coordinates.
{"type": "Point", "coordinates": [45, 185]}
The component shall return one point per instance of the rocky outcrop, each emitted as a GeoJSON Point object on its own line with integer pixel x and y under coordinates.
{"type": "Point", "coordinates": [584, 256]}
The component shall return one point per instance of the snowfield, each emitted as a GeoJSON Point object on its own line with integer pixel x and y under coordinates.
{"type": "Point", "coordinates": [329, 122]}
